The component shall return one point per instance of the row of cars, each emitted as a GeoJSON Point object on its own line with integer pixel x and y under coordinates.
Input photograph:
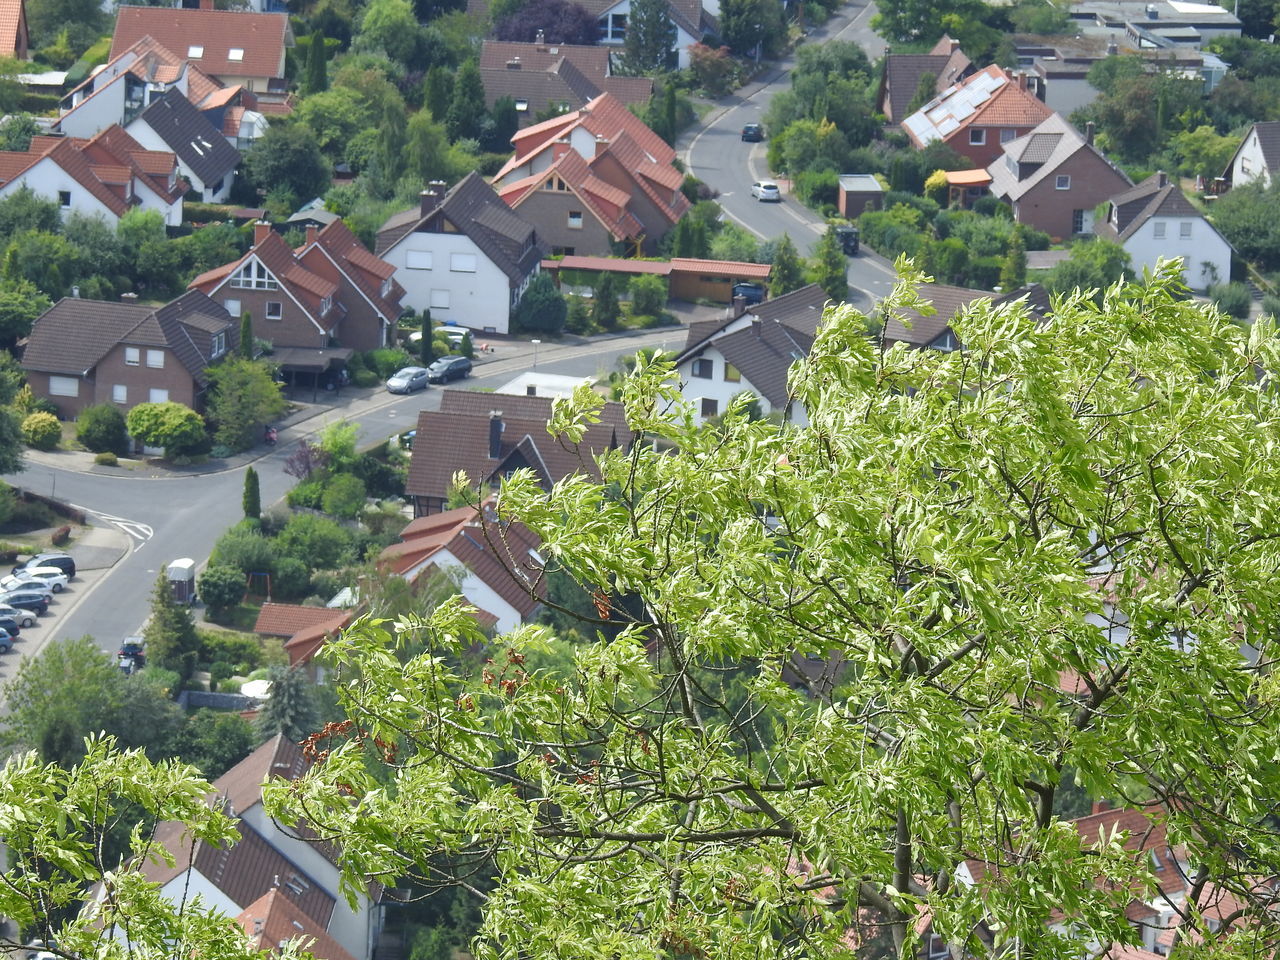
{"type": "Point", "coordinates": [27, 592]}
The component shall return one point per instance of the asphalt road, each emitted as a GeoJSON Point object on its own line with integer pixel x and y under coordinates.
{"type": "Point", "coordinates": [717, 156]}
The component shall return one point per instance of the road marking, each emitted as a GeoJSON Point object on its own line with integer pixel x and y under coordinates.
{"type": "Point", "coordinates": [139, 531]}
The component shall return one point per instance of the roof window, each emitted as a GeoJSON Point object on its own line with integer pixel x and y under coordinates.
{"type": "Point", "coordinates": [195, 52]}
{"type": "Point", "coordinates": [235, 53]}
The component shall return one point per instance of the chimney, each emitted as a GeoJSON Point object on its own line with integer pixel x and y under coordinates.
{"type": "Point", "coordinates": [531, 391]}
{"type": "Point", "coordinates": [75, 292]}
{"type": "Point", "coordinates": [495, 434]}
{"type": "Point", "coordinates": [260, 230]}
{"type": "Point", "coordinates": [428, 200]}
{"type": "Point", "coordinates": [1162, 179]}
{"type": "Point", "coordinates": [755, 327]}
{"type": "Point", "coordinates": [1153, 12]}
{"type": "Point", "coordinates": [257, 927]}
{"type": "Point", "coordinates": [1088, 133]}
{"type": "Point", "coordinates": [602, 144]}
{"type": "Point", "coordinates": [1100, 806]}
{"type": "Point", "coordinates": [1022, 79]}
{"type": "Point", "coordinates": [739, 306]}
{"type": "Point", "coordinates": [124, 297]}
{"type": "Point", "coordinates": [312, 233]}
{"type": "Point", "coordinates": [540, 38]}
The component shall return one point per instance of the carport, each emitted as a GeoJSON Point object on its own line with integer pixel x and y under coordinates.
{"type": "Point", "coordinates": [320, 368]}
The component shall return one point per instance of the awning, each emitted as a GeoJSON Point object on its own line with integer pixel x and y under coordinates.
{"type": "Point", "coordinates": [968, 178]}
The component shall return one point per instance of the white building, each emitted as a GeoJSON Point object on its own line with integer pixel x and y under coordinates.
{"type": "Point", "coordinates": [690, 18]}
{"type": "Point", "coordinates": [1258, 155]}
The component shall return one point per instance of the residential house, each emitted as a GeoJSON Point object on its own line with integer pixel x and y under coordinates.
{"type": "Point", "coordinates": [692, 22]}
{"type": "Point", "coordinates": [465, 255]}
{"type": "Point", "coordinates": [107, 175]}
{"type": "Point", "coordinates": [1257, 157]}
{"type": "Point", "coordinates": [304, 630]}
{"type": "Point", "coordinates": [542, 76]}
{"type": "Point", "coordinates": [14, 41]}
{"type": "Point", "coordinates": [688, 278]}
{"type": "Point", "coordinates": [267, 859]}
{"type": "Point", "coordinates": [236, 48]}
{"type": "Point", "coordinates": [85, 352]}
{"type": "Point", "coordinates": [594, 180]}
{"type": "Point", "coordinates": [903, 73]}
{"type": "Point", "coordinates": [1054, 178]}
{"type": "Point", "coordinates": [275, 921]}
{"type": "Point", "coordinates": [751, 353]}
{"type": "Point", "coordinates": [204, 156]}
{"type": "Point", "coordinates": [1154, 220]}
{"type": "Point", "coordinates": [486, 437]}
{"type": "Point", "coordinates": [496, 564]}
{"type": "Point", "coordinates": [330, 290]}
{"type": "Point", "coordinates": [933, 332]}
{"type": "Point", "coordinates": [977, 115]}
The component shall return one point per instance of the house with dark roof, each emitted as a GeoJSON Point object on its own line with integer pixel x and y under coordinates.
{"type": "Point", "coordinates": [978, 114]}
{"type": "Point", "coordinates": [204, 156]}
{"type": "Point", "coordinates": [1054, 178]}
{"type": "Point", "coordinates": [495, 563]}
{"type": "Point", "coordinates": [14, 40]}
{"type": "Point", "coordinates": [594, 180]}
{"type": "Point", "coordinates": [933, 331]}
{"type": "Point", "coordinates": [234, 47]}
{"type": "Point", "coordinates": [542, 76]}
{"type": "Point", "coordinates": [486, 437]}
{"type": "Point", "coordinates": [107, 175]}
{"type": "Point", "coordinates": [903, 73]}
{"type": "Point", "coordinates": [85, 352]}
{"type": "Point", "coordinates": [1257, 157]}
{"type": "Point", "coordinates": [1154, 220]}
{"type": "Point", "coordinates": [271, 864]}
{"type": "Point", "coordinates": [316, 304]}
{"type": "Point", "coordinates": [465, 255]}
{"type": "Point", "coordinates": [751, 353]}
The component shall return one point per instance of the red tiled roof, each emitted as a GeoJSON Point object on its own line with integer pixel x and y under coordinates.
{"type": "Point", "coordinates": [612, 264]}
{"type": "Point", "coordinates": [13, 27]}
{"type": "Point", "coordinates": [260, 36]}
{"type": "Point", "coordinates": [365, 271]}
{"type": "Point", "coordinates": [273, 920]}
{"type": "Point", "coordinates": [738, 268]}
{"type": "Point", "coordinates": [286, 619]}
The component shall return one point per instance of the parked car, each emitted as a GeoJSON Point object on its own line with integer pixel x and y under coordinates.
{"type": "Point", "coordinates": [752, 133]}
{"type": "Point", "coordinates": [11, 623]}
{"type": "Point", "coordinates": [52, 577]}
{"type": "Point", "coordinates": [132, 655]}
{"type": "Point", "coordinates": [449, 368]}
{"type": "Point", "coordinates": [848, 237]}
{"type": "Point", "coordinates": [408, 380]}
{"type": "Point", "coordinates": [766, 191]}
{"type": "Point", "coordinates": [34, 600]}
{"type": "Point", "coordinates": [24, 618]}
{"type": "Point", "coordinates": [7, 640]}
{"type": "Point", "coordinates": [63, 561]}
{"type": "Point", "coordinates": [752, 293]}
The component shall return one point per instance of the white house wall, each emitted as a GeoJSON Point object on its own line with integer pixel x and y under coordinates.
{"type": "Point", "coordinates": [1249, 163]}
{"type": "Point", "coordinates": [1066, 95]}
{"type": "Point", "coordinates": [696, 389]}
{"type": "Point", "coordinates": [141, 131]}
{"type": "Point", "coordinates": [479, 300]}
{"type": "Point", "coordinates": [1206, 256]}
{"type": "Point", "coordinates": [150, 200]}
{"type": "Point", "coordinates": [477, 592]}
{"type": "Point", "coordinates": [683, 40]}
{"type": "Point", "coordinates": [94, 114]}
{"type": "Point", "coordinates": [47, 179]}
{"type": "Point", "coordinates": [190, 884]}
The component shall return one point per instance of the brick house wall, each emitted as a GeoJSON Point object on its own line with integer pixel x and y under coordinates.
{"type": "Point", "coordinates": [293, 329]}
{"type": "Point", "coordinates": [1092, 181]}
{"type": "Point", "coordinates": [140, 379]}
{"type": "Point", "coordinates": [548, 211]}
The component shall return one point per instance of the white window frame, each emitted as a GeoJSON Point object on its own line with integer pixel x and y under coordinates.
{"type": "Point", "coordinates": [277, 313]}
{"type": "Point", "coordinates": [155, 359]}
{"type": "Point", "coordinates": [977, 136]}
{"type": "Point", "coordinates": [1062, 182]}
{"type": "Point", "coordinates": [1007, 134]}
{"type": "Point", "coordinates": [235, 54]}
{"type": "Point", "coordinates": [219, 344]}
{"type": "Point", "coordinates": [64, 386]}
{"type": "Point", "coordinates": [463, 263]}
{"type": "Point", "coordinates": [1158, 229]}
{"type": "Point", "coordinates": [417, 260]}
{"type": "Point", "coordinates": [120, 393]}
{"type": "Point", "coordinates": [158, 395]}
{"type": "Point", "coordinates": [439, 299]}
{"type": "Point", "coordinates": [254, 276]}
{"type": "Point", "coordinates": [1184, 229]}
{"type": "Point", "coordinates": [575, 220]}
{"type": "Point", "coordinates": [132, 356]}
{"type": "Point", "coordinates": [195, 51]}
{"type": "Point", "coordinates": [232, 306]}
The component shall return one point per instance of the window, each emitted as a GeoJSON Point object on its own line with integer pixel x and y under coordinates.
{"type": "Point", "coordinates": [232, 306]}
{"type": "Point", "coordinates": [731, 373]}
{"type": "Point", "coordinates": [64, 198]}
{"type": "Point", "coordinates": [326, 305]}
{"type": "Point", "coordinates": [236, 54]}
{"type": "Point", "coordinates": [158, 396]}
{"type": "Point", "coordinates": [254, 276]}
{"type": "Point", "coordinates": [1158, 228]}
{"type": "Point", "coordinates": [522, 105]}
{"type": "Point", "coordinates": [1077, 221]}
{"type": "Point", "coordinates": [132, 356]}
{"type": "Point", "coordinates": [275, 310]}
{"type": "Point", "coordinates": [120, 393]}
{"type": "Point", "coordinates": [195, 52]}
{"type": "Point", "coordinates": [462, 262]}
{"type": "Point", "coordinates": [703, 368]}
{"type": "Point", "coordinates": [937, 948]}
{"type": "Point", "coordinates": [1007, 134]}
{"type": "Point", "coordinates": [1184, 229]}
{"type": "Point", "coordinates": [614, 27]}
{"type": "Point", "coordinates": [439, 299]}
{"type": "Point", "coordinates": [385, 288]}
{"type": "Point", "coordinates": [977, 136]}
{"type": "Point", "coordinates": [946, 342]}
{"type": "Point", "coordinates": [155, 359]}
{"type": "Point", "coordinates": [219, 344]}
{"type": "Point", "coordinates": [1063, 182]}
{"type": "Point", "coordinates": [417, 259]}
{"type": "Point", "coordinates": [64, 387]}
{"type": "Point", "coordinates": [575, 219]}
{"type": "Point", "coordinates": [710, 407]}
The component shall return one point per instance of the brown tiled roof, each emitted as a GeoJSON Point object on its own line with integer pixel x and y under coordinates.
{"type": "Point", "coordinates": [990, 97]}
{"type": "Point", "coordinates": [542, 74]}
{"type": "Point", "coordinates": [287, 619]}
{"type": "Point", "coordinates": [579, 261]}
{"type": "Point", "coordinates": [1156, 196]}
{"type": "Point", "coordinates": [262, 37]}
{"type": "Point", "coordinates": [308, 288]}
{"type": "Point", "coordinates": [274, 919]}
{"type": "Point", "coordinates": [739, 268]}
{"type": "Point", "coordinates": [607, 203]}
{"type": "Point", "coordinates": [365, 271]}
{"type": "Point", "coordinates": [13, 28]}
{"type": "Point", "coordinates": [947, 302]}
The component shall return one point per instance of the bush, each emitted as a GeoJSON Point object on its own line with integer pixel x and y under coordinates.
{"type": "Point", "coordinates": [220, 670]}
{"type": "Point", "coordinates": [344, 496]}
{"type": "Point", "coordinates": [326, 583]}
{"type": "Point", "coordinates": [245, 653]}
{"type": "Point", "coordinates": [292, 579]}
{"type": "Point", "coordinates": [222, 587]}
{"type": "Point", "coordinates": [818, 188]}
{"type": "Point", "coordinates": [1271, 305]}
{"type": "Point", "coordinates": [245, 549]}
{"type": "Point", "coordinates": [386, 361]}
{"type": "Point", "coordinates": [41, 431]}
{"type": "Point", "coordinates": [648, 295]}
{"type": "Point", "coordinates": [381, 479]}
{"type": "Point", "coordinates": [61, 536]}
{"type": "Point", "coordinates": [320, 542]}
{"type": "Point", "coordinates": [1232, 299]}
{"type": "Point", "coordinates": [307, 494]}
{"type": "Point", "coordinates": [101, 429]}
{"type": "Point", "coordinates": [106, 459]}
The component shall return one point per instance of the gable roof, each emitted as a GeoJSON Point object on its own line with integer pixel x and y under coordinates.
{"type": "Point", "coordinates": [473, 207]}
{"type": "Point", "coordinates": [990, 97]}
{"type": "Point", "coordinates": [13, 28]}
{"type": "Point", "coordinates": [1156, 196]}
{"type": "Point", "coordinates": [307, 288]}
{"type": "Point", "coordinates": [286, 619]}
{"type": "Point", "coordinates": [1268, 133]}
{"type": "Point", "coordinates": [261, 37]}
{"type": "Point", "coordinates": [904, 71]}
{"type": "Point", "coordinates": [543, 74]}
{"type": "Point", "coordinates": [1051, 144]}
{"type": "Point", "coordinates": [947, 302]}
{"type": "Point", "coordinates": [688, 15]}
{"type": "Point", "coordinates": [607, 203]}
{"type": "Point", "coordinates": [273, 920]}
{"type": "Point", "coordinates": [366, 272]}
{"type": "Point", "coordinates": [189, 134]}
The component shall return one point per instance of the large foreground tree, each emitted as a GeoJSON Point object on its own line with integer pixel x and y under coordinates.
{"type": "Point", "coordinates": [1044, 563]}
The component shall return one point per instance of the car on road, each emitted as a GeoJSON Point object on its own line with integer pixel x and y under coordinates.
{"type": "Point", "coordinates": [408, 380]}
{"type": "Point", "coordinates": [24, 618]}
{"type": "Point", "coordinates": [766, 191]}
{"type": "Point", "coordinates": [132, 655]}
{"type": "Point", "coordinates": [449, 368]}
{"type": "Point", "coordinates": [751, 293]}
{"type": "Point", "coordinates": [36, 601]}
{"type": "Point", "coordinates": [752, 133]}
{"type": "Point", "coordinates": [63, 561]}
{"type": "Point", "coordinates": [51, 577]}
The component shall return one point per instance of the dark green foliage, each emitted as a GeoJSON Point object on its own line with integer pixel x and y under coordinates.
{"type": "Point", "coordinates": [318, 541]}
{"type": "Point", "coordinates": [438, 91]}
{"type": "Point", "coordinates": [288, 157]}
{"type": "Point", "coordinates": [466, 110]}
{"type": "Point", "coordinates": [306, 494]}
{"type": "Point", "coordinates": [466, 347]}
{"type": "Point", "coordinates": [344, 496]}
{"type": "Point", "coordinates": [648, 295]}
{"type": "Point", "coordinates": [214, 741]}
{"type": "Point", "coordinates": [743, 24]}
{"type": "Point", "coordinates": [246, 549]}
{"type": "Point", "coordinates": [830, 267]}
{"type": "Point", "coordinates": [605, 312]}
{"type": "Point", "coordinates": [926, 90]}
{"type": "Point", "coordinates": [101, 429]}
{"type": "Point", "coordinates": [247, 346]}
{"type": "Point", "coordinates": [316, 78]}
{"type": "Point", "coordinates": [542, 309]}
{"type": "Point", "coordinates": [251, 499]}
{"type": "Point", "coordinates": [788, 268]}
{"type": "Point", "coordinates": [427, 345]}
{"type": "Point", "coordinates": [819, 189]}
{"type": "Point", "coordinates": [243, 398]}
{"type": "Point", "coordinates": [1249, 218]}
{"type": "Point", "coordinates": [1233, 299]}
{"type": "Point", "coordinates": [291, 708]}
{"type": "Point", "coordinates": [651, 37]}
{"type": "Point", "coordinates": [221, 588]}
{"type": "Point", "coordinates": [170, 633]}
{"type": "Point", "coordinates": [502, 124]}
{"type": "Point", "coordinates": [292, 579]}
{"type": "Point", "coordinates": [1094, 265]}
{"type": "Point", "coordinates": [1013, 271]}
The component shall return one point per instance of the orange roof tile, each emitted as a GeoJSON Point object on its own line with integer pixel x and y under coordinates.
{"type": "Point", "coordinates": [736, 267]}
{"type": "Point", "coordinates": [286, 619]}
{"type": "Point", "coordinates": [273, 920]}
{"type": "Point", "coordinates": [260, 37]}
{"type": "Point", "coordinates": [13, 28]}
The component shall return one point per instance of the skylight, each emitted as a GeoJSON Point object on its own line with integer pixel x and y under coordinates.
{"type": "Point", "coordinates": [235, 53]}
{"type": "Point", "coordinates": [195, 52]}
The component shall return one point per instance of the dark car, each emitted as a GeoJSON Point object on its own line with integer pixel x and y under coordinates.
{"type": "Point", "coordinates": [848, 237]}
{"type": "Point", "coordinates": [26, 600]}
{"type": "Point", "coordinates": [7, 640]}
{"type": "Point", "coordinates": [62, 561]}
{"type": "Point", "coordinates": [752, 293]}
{"type": "Point", "coordinates": [24, 618]}
{"type": "Point", "coordinates": [449, 368]}
{"type": "Point", "coordinates": [10, 623]}
{"type": "Point", "coordinates": [752, 133]}
{"type": "Point", "coordinates": [133, 649]}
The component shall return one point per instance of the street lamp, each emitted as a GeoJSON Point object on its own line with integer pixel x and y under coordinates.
{"type": "Point", "coordinates": [759, 40]}
{"type": "Point", "coordinates": [535, 352]}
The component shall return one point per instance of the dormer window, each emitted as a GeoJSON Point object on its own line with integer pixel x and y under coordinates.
{"type": "Point", "coordinates": [235, 54]}
{"type": "Point", "coordinates": [385, 288]}
{"type": "Point", "coordinates": [325, 305]}
{"type": "Point", "coordinates": [254, 276]}
{"type": "Point", "coordinates": [195, 51]}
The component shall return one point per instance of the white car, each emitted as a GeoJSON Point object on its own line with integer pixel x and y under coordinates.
{"type": "Point", "coordinates": [766, 191]}
{"type": "Point", "coordinates": [54, 578]}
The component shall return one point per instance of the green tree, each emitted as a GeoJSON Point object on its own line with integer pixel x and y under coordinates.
{"type": "Point", "coordinates": [214, 741]}
{"type": "Point", "coordinates": [287, 156]}
{"type": "Point", "coordinates": [20, 304]}
{"type": "Point", "coordinates": [318, 541]}
{"type": "Point", "coordinates": [788, 269]}
{"type": "Point", "coordinates": [316, 77]}
{"type": "Point", "coordinates": [650, 40]}
{"type": "Point", "coordinates": [392, 135]}
{"type": "Point", "coordinates": [344, 496]}
{"type": "Point", "coordinates": [43, 260]}
{"type": "Point", "coordinates": [174, 427]}
{"type": "Point", "coordinates": [291, 708]}
{"type": "Point", "coordinates": [337, 443]}
{"type": "Point", "coordinates": [648, 295]}
{"type": "Point", "coordinates": [10, 441]}
{"type": "Point", "coordinates": [427, 345]}
{"type": "Point", "coordinates": [1093, 265]}
{"type": "Point", "coordinates": [246, 549]}
{"type": "Point", "coordinates": [221, 588]}
{"type": "Point", "coordinates": [248, 347]}
{"type": "Point", "coordinates": [170, 632]}
{"type": "Point", "coordinates": [466, 111]}
{"type": "Point", "coordinates": [1030, 604]}
{"type": "Point", "coordinates": [1013, 269]}
{"type": "Point", "coordinates": [390, 26]}
{"type": "Point", "coordinates": [101, 429]}
{"type": "Point", "coordinates": [830, 268]}
{"type": "Point", "coordinates": [1248, 216]}
{"type": "Point", "coordinates": [924, 21]}
{"type": "Point", "coordinates": [17, 132]}
{"type": "Point", "coordinates": [437, 91]}
{"type": "Point", "coordinates": [24, 209]}
{"type": "Point", "coordinates": [542, 309]}
{"type": "Point", "coordinates": [428, 150]}
{"type": "Point", "coordinates": [605, 312]}
{"type": "Point", "coordinates": [41, 430]}
{"type": "Point", "coordinates": [742, 25]}
{"type": "Point", "coordinates": [335, 117]}
{"type": "Point", "coordinates": [243, 397]}
{"type": "Point", "coordinates": [1202, 152]}
{"type": "Point", "coordinates": [251, 499]}
{"type": "Point", "coordinates": [466, 347]}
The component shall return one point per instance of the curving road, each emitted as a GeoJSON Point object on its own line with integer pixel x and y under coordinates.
{"type": "Point", "coordinates": [717, 156]}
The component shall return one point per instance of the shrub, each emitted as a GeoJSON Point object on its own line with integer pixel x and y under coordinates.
{"type": "Point", "coordinates": [101, 429]}
{"type": "Point", "coordinates": [1271, 304]}
{"type": "Point", "coordinates": [41, 431]}
{"type": "Point", "coordinates": [320, 542]}
{"type": "Point", "coordinates": [292, 579]}
{"type": "Point", "coordinates": [308, 494]}
{"type": "Point", "coordinates": [61, 536]}
{"type": "Point", "coordinates": [242, 651]}
{"type": "Point", "coordinates": [221, 670]}
{"type": "Point", "coordinates": [386, 361]}
{"type": "Point", "coordinates": [1232, 299]}
{"type": "Point", "coordinates": [648, 295]}
{"type": "Point", "coordinates": [818, 188]}
{"type": "Point", "coordinates": [245, 549]}
{"type": "Point", "coordinates": [106, 459]}
{"type": "Point", "coordinates": [381, 479]}
{"type": "Point", "coordinates": [222, 587]}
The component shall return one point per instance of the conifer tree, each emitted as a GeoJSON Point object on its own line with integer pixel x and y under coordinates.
{"type": "Point", "coordinates": [170, 633]}
{"type": "Point", "coordinates": [246, 335]}
{"type": "Point", "coordinates": [251, 500]}
{"type": "Point", "coordinates": [427, 348]}
{"type": "Point", "coordinates": [291, 708]}
{"type": "Point", "coordinates": [316, 79]}
{"type": "Point", "coordinates": [788, 270]}
{"type": "Point", "coordinates": [830, 269]}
